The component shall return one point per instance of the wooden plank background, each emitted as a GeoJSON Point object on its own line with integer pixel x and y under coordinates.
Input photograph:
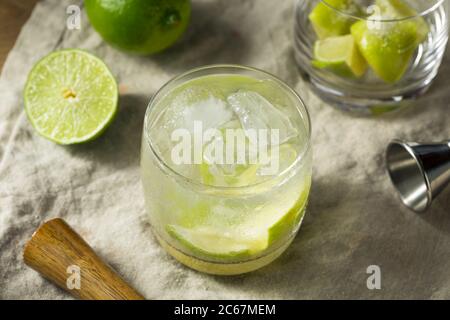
{"type": "Point", "coordinates": [13, 14]}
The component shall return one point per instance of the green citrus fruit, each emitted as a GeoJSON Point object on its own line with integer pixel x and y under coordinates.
{"type": "Point", "coordinates": [339, 55]}
{"type": "Point", "coordinates": [328, 22]}
{"type": "Point", "coordinates": [388, 46]}
{"type": "Point", "coordinates": [247, 239]}
{"type": "Point", "coordinates": [139, 26]}
{"type": "Point", "coordinates": [70, 97]}
{"type": "Point", "coordinates": [209, 242]}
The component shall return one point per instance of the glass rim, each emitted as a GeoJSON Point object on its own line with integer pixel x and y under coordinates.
{"type": "Point", "coordinates": [421, 14]}
{"type": "Point", "coordinates": [299, 106]}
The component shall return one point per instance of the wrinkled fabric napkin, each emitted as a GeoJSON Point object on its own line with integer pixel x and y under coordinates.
{"type": "Point", "coordinates": [354, 219]}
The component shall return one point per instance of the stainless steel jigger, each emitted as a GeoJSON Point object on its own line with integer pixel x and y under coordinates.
{"type": "Point", "coordinates": [418, 171]}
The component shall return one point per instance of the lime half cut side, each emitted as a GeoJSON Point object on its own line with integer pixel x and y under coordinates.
{"type": "Point", "coordinates": [340, 55]}
{"type": "Point", "coordinates": [70, 96]}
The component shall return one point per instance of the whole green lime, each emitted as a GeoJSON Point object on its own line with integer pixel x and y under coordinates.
{"type": "Point", "coordinates": [139, 26]}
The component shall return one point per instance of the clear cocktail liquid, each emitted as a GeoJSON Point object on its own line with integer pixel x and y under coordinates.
{"type": "Point", "coordinates": [226, 218]}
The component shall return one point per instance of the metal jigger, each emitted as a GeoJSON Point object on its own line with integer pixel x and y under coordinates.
{"type": "Point", "coordinates": [418, 171]}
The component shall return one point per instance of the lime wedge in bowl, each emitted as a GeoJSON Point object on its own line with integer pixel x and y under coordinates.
{"type": "Point", "coordinates": [70, 97]}
{"type": "Point", "coordinates": [388, 46]}
{"type": "Point", "coordinates": [339, 55]}
{"type": "Point", "coordinates": [329, 20]}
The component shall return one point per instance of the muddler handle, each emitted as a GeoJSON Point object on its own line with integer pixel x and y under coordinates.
{"type": "Point", "coordinates": [57, 252]}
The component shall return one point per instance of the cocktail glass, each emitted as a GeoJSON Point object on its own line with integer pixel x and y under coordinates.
{"type": "Point", "coordinates": [238, 215]}
{"type": "Point", "coordinates": [370, 56]}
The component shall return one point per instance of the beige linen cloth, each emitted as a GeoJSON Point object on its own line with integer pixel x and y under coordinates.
{"type": "Point", "coordinates": [354, 219]}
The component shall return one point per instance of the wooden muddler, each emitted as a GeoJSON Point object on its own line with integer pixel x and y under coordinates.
{"type": "Point", "coordinates": [62, 256]}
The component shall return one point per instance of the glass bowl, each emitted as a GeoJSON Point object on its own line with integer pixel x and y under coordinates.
{"type": "Point", "coordinates": [370, 56]}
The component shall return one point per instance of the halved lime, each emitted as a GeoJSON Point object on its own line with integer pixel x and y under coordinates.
{"type": "Point", "coordinates": [388, 47]}
{"type": "Point", "coordinates": [328, 22]}
{"type": "Point", "coordinates": [70, 96]}
{"type": "Point", "coordinates": [339, 55]}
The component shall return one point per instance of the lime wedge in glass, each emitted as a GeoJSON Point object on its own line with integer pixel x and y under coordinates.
{"type": "Point", "coordinates": [387, 46]}
{"type": "Point", "coordinates": [210, 242]}
{"type": "Point", "coordinates": [70, 97]}
{"type": "Point", "coordinates": [248, 239]}
{"type": "Point", "coordinates": [236, 175]}
{"type": "Point", "coordinates": [327, 22]}
{"type": "Point", "coordinates": [243, 175]}
{"type": "Point", "coordinates": [339, 55]}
